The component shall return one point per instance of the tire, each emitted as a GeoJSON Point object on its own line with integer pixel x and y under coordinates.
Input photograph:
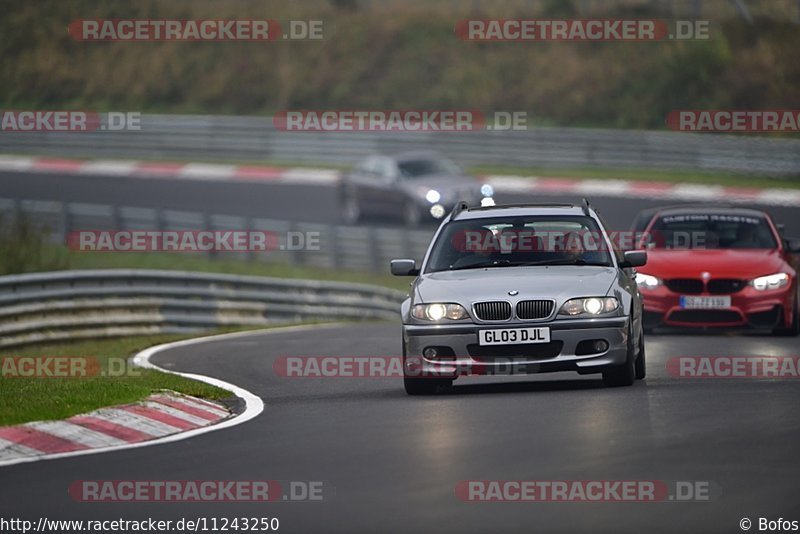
{"type": "Point", "coordinates": [351, 211]}
{"type": "Point", "coordinates": [412, 215]}
{"type": "Point", "coordinates": [640, 368]}
{"type": "Point", "coordinates": [793, 330]}
{"type": "Point", "coordinates": [622, 375]}
{"type": "Point", "coordinates": [424, 386]}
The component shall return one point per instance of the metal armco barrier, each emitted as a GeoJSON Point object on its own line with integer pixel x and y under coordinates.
{"type": "Point", "coordinates": [226, 138]}
{"type": "Point", "coordinates": [64, 305]}
{"type": "Point", "coordinates": [349, 248]}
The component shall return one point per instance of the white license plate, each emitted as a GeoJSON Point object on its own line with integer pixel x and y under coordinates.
{"type": "Point", "coordinates": [514, 336]}
{"type": "Point", "coordinates": [705, 303]}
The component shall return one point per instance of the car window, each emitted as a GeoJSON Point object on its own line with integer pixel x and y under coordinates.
{"type": "Point", "coordinates": [711, 231]}
{"type": "Point", "coordinates": [615, 242]}
{"type": "Point", "coordinates": [424, 167]}
{"type": "Point", "coordinates": [385, 168]}
{"type": "Point", "coordinates": [518, 241]}
{"type": "Point", "coordinates": [368, 165]}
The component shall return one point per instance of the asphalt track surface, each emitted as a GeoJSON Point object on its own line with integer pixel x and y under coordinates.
{"type": "Point", "coordinates": [293, 202]}
{"type": "Point", "coordinates": [390, 463]}
{"type": "Point", "coordinates": [393, 461]}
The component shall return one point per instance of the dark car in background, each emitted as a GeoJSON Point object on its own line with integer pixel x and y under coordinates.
{"type": "Point", "coordinates": [413, 187]}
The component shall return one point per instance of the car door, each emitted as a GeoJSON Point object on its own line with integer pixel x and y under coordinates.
{"type": "Point", "coordinates": [361, 184]}
{"type": "Point", "coordinates": [388, 198]}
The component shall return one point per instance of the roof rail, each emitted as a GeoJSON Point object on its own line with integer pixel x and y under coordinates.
{"type": "Point", "coordinates": [522, 205]}
{"type": "Point", "coordinates": [460, 206]}
{"type": "Point", "coordinates": [585, 206]}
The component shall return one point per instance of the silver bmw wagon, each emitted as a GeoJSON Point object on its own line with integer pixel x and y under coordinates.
{"type": "Point", "coordinates": [519, 290]}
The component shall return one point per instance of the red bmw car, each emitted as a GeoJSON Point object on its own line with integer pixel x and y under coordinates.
{"type": "Point", "coordinates": [717, 267]}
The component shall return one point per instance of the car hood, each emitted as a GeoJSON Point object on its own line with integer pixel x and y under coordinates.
{"type": "Point", "coordinates": [474, 285]}
{"type": "Point", "coordinates": [723, 263]}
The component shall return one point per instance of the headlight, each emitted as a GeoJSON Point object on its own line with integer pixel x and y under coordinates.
{"type": "Point", "coordinates": [433, 196]}
{"type": "Point", "coordinates": [772, 281]}
{"type": "Point", "coordinates": [646, 281]}
{"type": "Point", "coordinates": [487, 190]}
{"type": "Point", "coordinates": [589, 306]}
{"type": "Point", "coordinates": [487, 201]}
{"type": "Point", "coordinates": [437, 211]}
{"type": "Point", "coordinates": [437, 312]}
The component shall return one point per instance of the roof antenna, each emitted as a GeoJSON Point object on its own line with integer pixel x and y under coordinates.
{"type": "Point", "coordinates": [460, 206]}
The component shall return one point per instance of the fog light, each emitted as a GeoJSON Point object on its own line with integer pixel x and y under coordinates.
{"type": "Point", "coordinates": [431, 353]}
{"type": "Point", "coordinates": [600, 345]}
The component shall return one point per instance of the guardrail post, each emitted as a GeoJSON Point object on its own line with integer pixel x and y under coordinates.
{"type": "Point", "coordinates": [248, 227]}
{"type": "Point", "coordinates": [297, 255]}
{"type": "Point", "coordinates": [332, 242]}
{"type": "Point", "coordinates": [407, 249]}
{"type": "Point", "coordinates": [16, 212]}
{"type": "Point", "coordinates": [375, 257]}
{"type": "Point", "coordinates": [207, 227]}
{"type": "Point", "coordinates": [116, 218]}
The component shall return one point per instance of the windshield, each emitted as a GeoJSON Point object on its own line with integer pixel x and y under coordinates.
{"type": "Point", "coordinates": [518, 241]}
{"type": "Point", "coordinates": [424, 167]}
{"type": "Point", "coordinates": [711, 231]}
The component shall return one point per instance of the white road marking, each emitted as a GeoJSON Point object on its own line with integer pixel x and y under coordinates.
{"type": "Point", "coordinates": [253, 404]}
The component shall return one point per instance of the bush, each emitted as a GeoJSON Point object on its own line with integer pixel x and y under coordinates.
{"type": "Point", "coordinates": [26, 247]}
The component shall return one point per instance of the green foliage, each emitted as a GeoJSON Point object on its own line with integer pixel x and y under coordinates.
{"type": "Point", "coordinates": [393, 54]}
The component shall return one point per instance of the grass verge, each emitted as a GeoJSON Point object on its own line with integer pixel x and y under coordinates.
{"type": "Point", "coordinates": [25, 399]}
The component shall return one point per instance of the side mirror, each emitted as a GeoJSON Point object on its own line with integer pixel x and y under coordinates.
{"type": "Point", "coordinates": [780, 227]}
{"type": "Point", "coordinates": [404, 267]}
{"type": "Point", "coordinates": [793, 245]}
{"type": "Point", "coordinates": [634, 258]}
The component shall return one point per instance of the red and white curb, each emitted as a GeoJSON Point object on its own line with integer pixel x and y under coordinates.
{"type": "Point", "coordinates": [329, 177]}
{"type": "Point", "coordinates": [158, 416]}
{"type": "Point", "coordinates": [161, 418]}
{"type": "Point", "coordinates": [181, 171]}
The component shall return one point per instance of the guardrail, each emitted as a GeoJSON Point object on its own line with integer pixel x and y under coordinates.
{"type": "Point", "coordinates": [351, 248]}
{"type": "Point", "coordinates": [53, 306]}
{"type": "Point", "coordinates": [197, 137]}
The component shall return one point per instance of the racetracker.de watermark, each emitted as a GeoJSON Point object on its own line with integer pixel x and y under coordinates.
{"type": "Point", "coordinates": [581, 30]}
{"type": "Point", "coordinates": [399, 120]}
{"type": "Point", "coordinates": [734, 120]}
{"type": "Point", "coordinates": [69, 121]}
{"type": "Point", "coordinates": [65, 367]}
{"type": "Point", "coordinates": [782, 367]}
{"type": "Point", "coordinates": [138, 491]}
{"type": "Point", "coordinates": [191, 241]}
{"type": "Point", "coordinates": [137, 30]}
{"type": "Point", "coordinates": [642, 491]}
{"type": "Point", "coordinates": [339, 367]}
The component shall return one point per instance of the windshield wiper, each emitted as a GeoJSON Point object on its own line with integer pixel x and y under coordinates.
{"type": "Point", "coordinates": [575, 261]}
{"type": "Point", "coordinates": [509, 263]}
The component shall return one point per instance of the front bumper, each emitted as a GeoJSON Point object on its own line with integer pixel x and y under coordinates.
{"type": "Point", "coordinates": [467, 357]}
{"type": "Point", "coordinates": [749, 309]}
